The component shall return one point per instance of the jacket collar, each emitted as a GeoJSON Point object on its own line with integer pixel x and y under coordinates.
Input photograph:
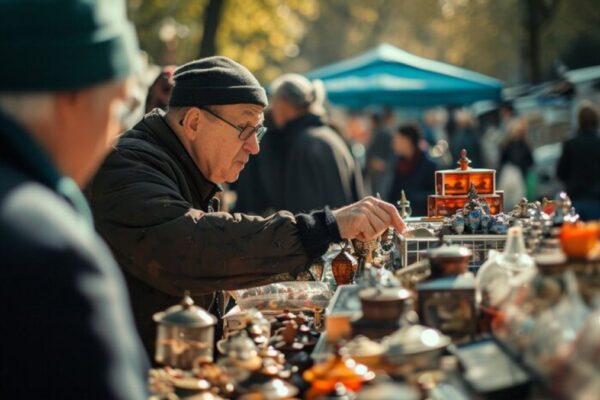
{"type": "Point", "coordinates": [21, 150]}
{"type": "Point", "coordinates": [155, 123]}
{"type": "Point", "coordinates": [303, 121]}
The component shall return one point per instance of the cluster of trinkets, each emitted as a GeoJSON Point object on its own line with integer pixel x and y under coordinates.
{"type": "Point", "coordinates": [263, 360]}
{"type": "Point", "coordinates": [475, 218]}
{"type": "Point", "coordinates": [352, 262]}
{"type": "Point", "coordinates": [540, 220]}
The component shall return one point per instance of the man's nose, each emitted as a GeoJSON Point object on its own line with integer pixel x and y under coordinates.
{"type": "Point", "coordinates": [251, 144]}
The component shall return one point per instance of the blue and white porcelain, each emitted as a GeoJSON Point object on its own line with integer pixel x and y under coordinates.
{"type": "Point", "coordinates": [474, 220]}
{"type": "Point", "coordinates": [458, 224]}
{"type": "Point", "coordinates": [485, 222]}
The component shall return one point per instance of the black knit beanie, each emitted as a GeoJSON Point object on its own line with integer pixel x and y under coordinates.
{"type": "Point", "coordinates": [215, 81]}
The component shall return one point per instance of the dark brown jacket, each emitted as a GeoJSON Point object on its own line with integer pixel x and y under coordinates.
{"type": "Point", "coordinates": [151, 204]}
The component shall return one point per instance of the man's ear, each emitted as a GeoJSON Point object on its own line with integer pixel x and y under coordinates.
{"type": "Point", "coordinates": [192, 121]}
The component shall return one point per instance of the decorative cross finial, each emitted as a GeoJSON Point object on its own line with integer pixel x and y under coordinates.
{"type": "Point", "coordinates": [463, 162]}
{"type": "Point", "coordinates": [404, 206]}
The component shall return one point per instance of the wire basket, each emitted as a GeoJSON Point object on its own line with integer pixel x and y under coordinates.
{"type": "Point", "coordinates": [414, 249]}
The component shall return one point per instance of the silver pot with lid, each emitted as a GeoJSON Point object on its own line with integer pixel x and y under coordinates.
{"type": "Point", "coordinates": [448, 260]}
{"type": "Point", "coordinates": [185, 334]}
{"type": "Point", "coordinates": [418, 347]}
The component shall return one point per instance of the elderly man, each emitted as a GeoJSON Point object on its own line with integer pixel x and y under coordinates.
{"type": "Point", "coordinates": [153, 199]}
{"type": "Point", "coordinates": [69, 332]}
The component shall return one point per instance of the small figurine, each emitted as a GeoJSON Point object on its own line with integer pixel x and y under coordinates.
{"type": "Point", "coordinates": [562, 209]}
{"type": "Point", "coordinates": [365, 252]}
{"type": "Point", "coordinates": [404, 206]}
{"type": "Point", "coordinates": [484, 206]}
{"type": "Point", "coordinates": [500, 224]}
{"type": "Point", "coordinates": [521, 209]}
{"type": "Point", "coordinates": [463, 162]}
{"type": "Point", "coordinates": [572, 216]}
{"type": "Point", "coordinates": [548, 206]}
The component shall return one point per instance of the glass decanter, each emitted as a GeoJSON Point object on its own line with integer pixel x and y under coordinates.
{"type": "Point", "coordinates": [495, 279]}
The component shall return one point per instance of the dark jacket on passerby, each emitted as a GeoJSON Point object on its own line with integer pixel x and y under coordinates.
{"type": "Point", "coordinates": [68, 330]}
{"type": "Point", "coordinates": [154, 208]}
{"type": "Point", "coordinates": [518, 153]}
{"type": "Point", "coordinates": [468, 139]}
{"type": "Point", "coordinates": [416, 178]}
{"type": "Point", "coordinates": [579, 166]}
{"type": "Point", "coordinates": [380, 149]}
{"type": "Point", "coordinates": [318, 167]}
{"type": "Point", "coordinates": [259, 187]}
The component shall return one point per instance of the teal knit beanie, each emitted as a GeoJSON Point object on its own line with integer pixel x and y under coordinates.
{"type": "Point", "coordinates": [56, 45]}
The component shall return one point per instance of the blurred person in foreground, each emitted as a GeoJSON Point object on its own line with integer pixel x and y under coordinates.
{"type": "Point", "coordinates": [318, 168]}
{"type": "Point", "coordinates": [153, 200]}
{"type": "Point", "coordinates": [413, 171]}
{"type": "Point", "coordinates": [70, 332]}
{"type": "Point", "coordinates": [579, 164]}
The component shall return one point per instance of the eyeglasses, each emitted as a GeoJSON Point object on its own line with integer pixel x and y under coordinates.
{"type": "Point", "coordinates": [244, 132]}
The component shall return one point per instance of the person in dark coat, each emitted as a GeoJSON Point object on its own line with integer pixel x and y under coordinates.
{"type": "Point", "coordinates": [259, 187]}
{"type": "Point", "coordinates": [465, 136]}
{"type": "Point", "coordinates": [68, 331]}
{"type": "Point", "coordinates": [579, 165]}
{"type": "Point", "coordinates": [153, 200]}
{"type": "Point", "coordinates": [379, 151]}
{"type": "Point", "coordinates": [516, 149]}
{"type": "Point", "coordinates": [413, 171]}
{"type": "Point", "coordinates": [318, 168]}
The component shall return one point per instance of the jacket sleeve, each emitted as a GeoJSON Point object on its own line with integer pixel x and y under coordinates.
{"type": "Point", "coordinates": [159, 237]}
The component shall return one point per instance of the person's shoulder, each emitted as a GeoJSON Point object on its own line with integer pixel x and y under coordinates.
{"type": "Point", "coordinates": [136, 143]}
{"type": "Point", "coordinates": [134, 149]}
{"type": "Point", "coordinates": [323, 137]}
{"type": "Point", "coordinates": [38, 225]}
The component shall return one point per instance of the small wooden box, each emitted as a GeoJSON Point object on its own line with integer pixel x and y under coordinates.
{"type": "Point", "coordinates": [457, 183]}
{"type": "Point", "coordinates": [448, 304]}
{"type": "Point", "coordinates": [445, 206]}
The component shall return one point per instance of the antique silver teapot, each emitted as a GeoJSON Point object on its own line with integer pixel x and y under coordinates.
{"type": "Point", "coordinates": [185, 335]}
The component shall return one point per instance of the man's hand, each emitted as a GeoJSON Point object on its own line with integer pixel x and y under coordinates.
{"type": "Point", "coordinates": [367, 219]}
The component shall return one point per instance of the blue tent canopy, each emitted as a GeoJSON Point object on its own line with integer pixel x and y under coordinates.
{"type": "Point", "coordinates": [389, 76]}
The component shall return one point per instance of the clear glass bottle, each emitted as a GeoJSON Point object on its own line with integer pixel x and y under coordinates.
{"type": "Point", "coordinates": [495, 278]}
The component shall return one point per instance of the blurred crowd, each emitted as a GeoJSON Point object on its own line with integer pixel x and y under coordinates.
{"type": "Point", "coordinates": [315, 155]}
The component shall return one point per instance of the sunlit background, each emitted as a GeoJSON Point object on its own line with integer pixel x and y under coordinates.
{"type": "Point", "coordinates": [513, 40]}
